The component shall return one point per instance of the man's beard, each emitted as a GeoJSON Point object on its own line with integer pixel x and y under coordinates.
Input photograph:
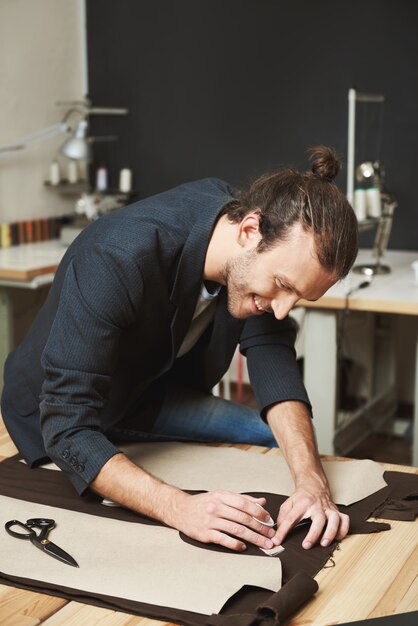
{"type": "Point", "coordinates": [235, 275]}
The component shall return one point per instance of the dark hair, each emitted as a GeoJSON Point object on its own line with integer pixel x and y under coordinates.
{"type": "Point", "coordinates": [286, 197]}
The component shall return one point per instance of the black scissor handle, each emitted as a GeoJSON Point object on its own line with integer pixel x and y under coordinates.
{"type": "Point", "coordinates": [14, 522]}
{"type": "Point", "coordinates": [41, 522]}
{"type": "Point", "coordinates": [45, 525]}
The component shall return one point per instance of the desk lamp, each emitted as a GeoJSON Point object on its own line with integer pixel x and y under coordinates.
{"type": "Point", "coordinates": [369, 171]}
{"type": "Point", "coordinates": [77, 146]}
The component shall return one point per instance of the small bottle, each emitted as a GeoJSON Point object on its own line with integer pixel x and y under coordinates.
{"type": "Point", "coordinates": [125, 180]}
{"type": "Point", "coordinates": [359, 204]}
{"type": "Point", "coordinates": [374, 202]}
{"type": "Point", "coordinates": [101, 179]}
{"type": "Point", "coordinates": [6, 240]}
{"type": "Point", "coordinates": [72, 172]}
{"type": "Point", "coordinates": [54, 173]}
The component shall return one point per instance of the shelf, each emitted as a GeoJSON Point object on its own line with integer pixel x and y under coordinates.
{"type": "Point", "coordinates": [67, 188]}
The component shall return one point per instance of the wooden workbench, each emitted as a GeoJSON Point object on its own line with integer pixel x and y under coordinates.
{"type": "Point", "coordinates": [374, 575]}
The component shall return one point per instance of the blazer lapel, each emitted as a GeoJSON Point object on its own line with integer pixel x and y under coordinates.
{"type": "Point", "coordinates": [223, 341]}
{"type": "Point", "coordinates": [188, 281]}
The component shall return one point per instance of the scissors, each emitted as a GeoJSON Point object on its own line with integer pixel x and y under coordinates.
{"type": "Point", "coordinates": [40, 540]}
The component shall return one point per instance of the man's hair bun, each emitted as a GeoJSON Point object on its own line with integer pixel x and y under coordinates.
{"type": "Point", "coordinates": [325, 163]}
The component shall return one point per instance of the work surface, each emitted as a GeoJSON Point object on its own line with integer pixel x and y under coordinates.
{"type": "Point", "coordinates": [29, 260]}
{"type": "Point", "coordinates": [374, 575]}
{"type": "Point", "coordinates": [396, 292]}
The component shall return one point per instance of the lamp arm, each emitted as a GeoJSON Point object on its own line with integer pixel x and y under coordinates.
{"type": "Point", "coordinates": [72, 110]}
{"type": "Point", "coordinates": [39, 135]}
{"type": "Point", "coordinates": [106, 111]}
{"type": "Point", "coordinates": [85, 107]}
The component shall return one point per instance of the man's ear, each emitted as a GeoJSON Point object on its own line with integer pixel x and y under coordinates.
{"type": "Point", "coordinates": [248, 234]}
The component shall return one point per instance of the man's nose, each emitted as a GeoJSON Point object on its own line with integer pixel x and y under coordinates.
{"type": "Point", "coordinates": [283, 304]}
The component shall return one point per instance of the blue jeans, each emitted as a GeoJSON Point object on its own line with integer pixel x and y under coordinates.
{"type": "Point", "coordinates": [190, 415]}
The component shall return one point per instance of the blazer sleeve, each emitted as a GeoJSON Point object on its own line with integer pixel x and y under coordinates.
{"type": "Point", "coordinates": [101, 292]}
{"type": "Point", "coordinates": [268, 344]}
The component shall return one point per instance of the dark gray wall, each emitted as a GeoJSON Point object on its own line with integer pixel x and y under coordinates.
{"type": "Point", "coordinates": [232, 88]}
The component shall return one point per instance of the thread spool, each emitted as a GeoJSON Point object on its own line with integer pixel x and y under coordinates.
{"type": "Point", "coordinates": [374, 202]}
{"type": "Point", "coordinates": [101, 179]}
{"type": "Point", "coordinates": [72, 172]}
{"type": "Point", "coordinates": [360, 207]}
{"type": "Point", "coordinates": [125, 180]}
{"type": "Point", "coordinates": [54, 173]}
{"type": "Point", "coordinates": [6, 240]}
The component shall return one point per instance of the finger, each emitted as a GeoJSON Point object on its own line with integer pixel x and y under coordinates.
{"type": "Point", "coordinates": [244, 534]}
{"type": "Point", "coordinates": [247, 504]}
{"type": "Point", "coordinates": [267, 520]}
{"type": "Point", "coordinates": [215, 536]}
{"type": "Point", "coordinates": [318, 522]}
{"type": "Point", "coordinates": [241, 509]}
{"type": "Point", "coordinates": [246, 496]}
{"type": "Point", "coordinates": [284, 510]}
{"type": "Point", "coordinates": [245, 519]}
{"type": "Point", "coordinates": [331, 529]}
{"type": "Point", "coordinates": [293, 517]}
{"type": "Point", "coordinates": [260, 501]}
{"type": "Point", "coordinates": [344, 526]}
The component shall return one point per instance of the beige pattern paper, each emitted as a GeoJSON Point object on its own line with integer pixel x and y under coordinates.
{"type": "Point", "coordinates": [133, 561]}
{"type": "Point", "coordinates": [199, 467]}
{"type": "Point", "coordinates": [193, 466]}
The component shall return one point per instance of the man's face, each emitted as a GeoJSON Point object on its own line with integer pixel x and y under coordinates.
{"type": "Point", "coordinates": [274, 281]}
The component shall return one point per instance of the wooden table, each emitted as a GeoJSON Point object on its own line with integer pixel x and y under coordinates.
{"type": "Point", "coordinates": [384, 564]}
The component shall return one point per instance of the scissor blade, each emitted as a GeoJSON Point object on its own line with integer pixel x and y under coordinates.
{"type": "Point", "coordinates": [58, 553]}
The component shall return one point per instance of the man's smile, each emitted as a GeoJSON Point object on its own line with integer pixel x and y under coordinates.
{"type": "Point", "coordinates": [260, 307]}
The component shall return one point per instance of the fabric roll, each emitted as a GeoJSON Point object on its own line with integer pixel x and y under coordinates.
{"type": "Point", "coordinates": [297, 591]}
{"type": "Point", "coordinates": [276, 609]}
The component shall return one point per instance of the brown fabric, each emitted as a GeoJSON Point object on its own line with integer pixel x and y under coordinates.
{"type": "Point", "coordinates": [300, 588]}
{"type": "Point", "coordinates": [233, 620]}
{"type": "Point", "coordinates": [52, 488]}
{"type": "Point", "coordinates": [365, 528]}
{"type": "Point", "coordinates": [294, 558]}
{"type": "Point", "coordinates": [276, 608]}
{"type": "Point", "coordinates": [39, 485]}
{"type": "Point", "coordinates": [398, 510]}
{"type": "Point", "coordinates": [402, 501]}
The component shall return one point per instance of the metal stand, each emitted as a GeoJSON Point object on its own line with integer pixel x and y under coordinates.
{"type": "Point", "coordinates": [384, 226]}
{"type": "Point", "coordinates": [371, 269]}
{"type": "Point", "coordinates": [383, 223]}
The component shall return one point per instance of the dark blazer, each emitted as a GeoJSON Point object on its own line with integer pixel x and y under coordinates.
{"type": "Point", "coordinates": [103, 347]}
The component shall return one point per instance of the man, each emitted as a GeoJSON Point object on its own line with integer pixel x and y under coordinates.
{"type": "Point", "coordinates": [142, 320]}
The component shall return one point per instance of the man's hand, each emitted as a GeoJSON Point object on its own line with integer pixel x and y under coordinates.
{"type": "Point", "coordinates": [325, 516]}
{"type": "Point", "coordinates": [221, 517]}
{"type": "Point", "coordinates": [225, 518]}
{"type": "Point", "coordinates": [292, 427]}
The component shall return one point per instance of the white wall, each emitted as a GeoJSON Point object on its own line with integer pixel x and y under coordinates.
{"type": "Point", "coordinates": [40, 63]}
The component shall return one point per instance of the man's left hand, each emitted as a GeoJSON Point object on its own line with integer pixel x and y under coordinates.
{"type": "Point", "coordinates": [292, 427]}
{"type": "Point", "coordinates": [327, 521]}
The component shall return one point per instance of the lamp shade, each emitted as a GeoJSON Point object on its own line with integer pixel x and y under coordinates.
{"type": "Point", "coordinates": [77, 146]}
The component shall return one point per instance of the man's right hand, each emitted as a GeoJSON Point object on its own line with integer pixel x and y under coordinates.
{"type": "Point", "coordinates": [222, 517]}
